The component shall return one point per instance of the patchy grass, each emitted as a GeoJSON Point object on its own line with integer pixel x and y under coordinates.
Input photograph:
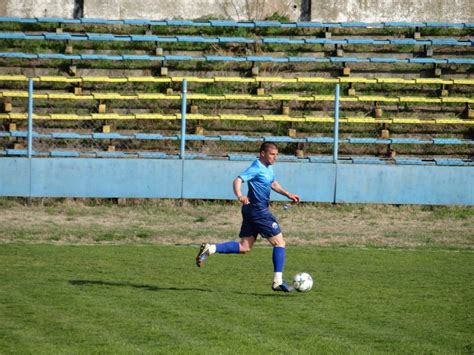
{"type": "Point", "coordinates": [176, 222]}
{"type": "Point", "coordinates": [453, 213]}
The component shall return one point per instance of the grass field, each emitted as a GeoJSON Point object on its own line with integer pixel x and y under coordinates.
{"type": "Point", "coordinates": [377, 289]}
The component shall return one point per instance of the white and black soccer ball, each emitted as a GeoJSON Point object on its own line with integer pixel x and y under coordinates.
{"type": "Point", "coordinates": [302, 282]}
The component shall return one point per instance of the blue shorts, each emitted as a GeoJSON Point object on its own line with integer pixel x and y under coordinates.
{"type": "Point", "coordinates": [256, 221]}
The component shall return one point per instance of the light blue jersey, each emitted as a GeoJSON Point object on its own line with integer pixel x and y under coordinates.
{"type": "Point", "coordinates": [260, 179]}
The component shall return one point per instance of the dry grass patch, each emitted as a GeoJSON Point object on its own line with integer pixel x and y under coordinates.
{"type": "Point", "coordinates": [191, 222]}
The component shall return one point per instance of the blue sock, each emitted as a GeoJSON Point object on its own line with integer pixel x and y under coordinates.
{"type": "Point", "coordinates": [228, 248]}
{"type": "Point", "coordinates": [278, 259]}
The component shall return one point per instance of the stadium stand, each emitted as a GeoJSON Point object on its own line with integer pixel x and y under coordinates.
{"type": "Point", "coordinates": [238, 97]}
{"type": "Point", "coordinates": [230, 23]}
{"type": "Point", "coordinates": [203, 39]}
{"type": "Point", "coordinates": [234, 138]}
{"type": "Point", "coordinates": [257, 79]}
{"type": "Point", "coordinates": [332, 51]}
{"type": "Point", "coordinates": [235, 117]}
{"type": "Point", "coordinates": [407, 88]}
{"type": "Point", "coordinates": [250, 59]}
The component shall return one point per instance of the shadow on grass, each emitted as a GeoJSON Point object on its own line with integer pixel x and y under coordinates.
{"type": "Point", "coordinates": [129, 284]}
{"type": "Point", "coordinates": [156, 288]}
{"type": "Point", "coordinates": [274, 294]}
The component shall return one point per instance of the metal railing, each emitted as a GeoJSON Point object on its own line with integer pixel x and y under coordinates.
{"type": "Point", "coordinates": [182, 138]}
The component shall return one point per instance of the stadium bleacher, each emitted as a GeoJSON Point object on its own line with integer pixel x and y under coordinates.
{"type": "Point", "coordinates": [230, 23]}
{"type": "Point", "coordinates": [231, 79]}
{"type": "Point", "coordinates": [237, 97]}
{"type": "Point", "coordinates": [280, 81]}
{"type": "Point", "coordinates": [431, 43]}
{"type": "Point", "coordinates": [203, 39]}
{"type": "Point", "coordinates": [234, 138]}
{"type": "Point", "coordinates": [251, 59]}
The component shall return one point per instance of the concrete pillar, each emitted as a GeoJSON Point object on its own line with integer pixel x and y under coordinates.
{"type": "Point", "coordinates": [194, 108]}
{"type": "Point", "coordinates": [72, 70]}
{"type": "Point", "coordinates": [468, 112]}
{"type": "Point", "coordinates": [7, 104]}
{"type": "Point", "coordinates": [378, 111]}
{"type": "Point", "coordinates": [164, 71]}
{"type": "Point", "coordinates": [255, 70]}
{"type": "Point", "coordinates": [443, 92]}
{"type": "Point", "coordinates": [351, 91]}
{"type": "Point", "coordinates": [417, 34]}
{"type": "Point", "coordinates": [199, 130]}
{"type": "Point", "coordinates": [102, 108]}
{"type": "Point", "coordinates": [428, 51]}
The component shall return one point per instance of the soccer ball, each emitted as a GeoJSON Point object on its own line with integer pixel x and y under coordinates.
{"type": "Point", "coordinates": [302, 282]}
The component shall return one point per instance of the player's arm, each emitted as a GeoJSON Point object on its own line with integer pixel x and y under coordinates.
{"type": "Point", "coordinates": [237, 184]}
{"type": "Point", "coordinates": [278, 188]}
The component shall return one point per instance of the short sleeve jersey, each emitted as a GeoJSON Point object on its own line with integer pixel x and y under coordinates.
{"type": "Point", "coordinates": [259, 178]}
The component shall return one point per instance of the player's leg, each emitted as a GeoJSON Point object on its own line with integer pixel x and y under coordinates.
{"type": "Point", "coordinates": [233, 247]}
{"type": "Point", "coordinates": [268, 227]}
{"type": "Point", "coordinates": [247, 234]}
{"type": "Point", "coordinates": [278, 257]}
{"type": "Point", "coordinates": [230, 247]}
{"type": "Point", "coordinates": [246, 243]}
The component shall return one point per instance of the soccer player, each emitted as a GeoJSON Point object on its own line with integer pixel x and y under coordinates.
{"type": "Point", "coordinates": [257, 219]}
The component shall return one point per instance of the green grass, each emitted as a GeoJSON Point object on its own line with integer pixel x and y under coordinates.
{"type": "Point", "coordinates": [456, 213]}
{"type": "Point", "coordinates": [132, 299]}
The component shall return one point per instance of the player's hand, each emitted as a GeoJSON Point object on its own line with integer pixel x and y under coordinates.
{"type": "Point", "coordinates": [294, 198]}
{"type": "Point", "coordinates": [243, 200]}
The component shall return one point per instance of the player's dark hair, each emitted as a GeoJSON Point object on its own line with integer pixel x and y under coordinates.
{"type": "Point", "coordinates": [267, 145]}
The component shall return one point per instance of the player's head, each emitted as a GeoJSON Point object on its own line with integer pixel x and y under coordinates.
{"type": "Point", "coordinates": [268, 153]}
{"type": "Point", "coordinates": [267, 145]}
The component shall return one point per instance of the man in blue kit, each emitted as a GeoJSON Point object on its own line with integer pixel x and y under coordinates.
{"type": "Point", "coordinates": [257, 219]}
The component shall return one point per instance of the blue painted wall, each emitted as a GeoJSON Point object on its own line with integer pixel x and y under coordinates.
{"type": "Point", "coordinates": [106, 178]}
{"type": "Point", "coordinates": [408, 184]}
{"type": "Point", "coordinates": [212, 179]}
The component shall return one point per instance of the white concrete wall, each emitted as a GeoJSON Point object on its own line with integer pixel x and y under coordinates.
{"type": "Point", "coordinates": [190, 9]}
{"type": "Point", "coordinates": [392, 10]}
{"type": "Point", "coordinates": [37, 8]}
{"type": "Point", "coordinates": [321, 10]}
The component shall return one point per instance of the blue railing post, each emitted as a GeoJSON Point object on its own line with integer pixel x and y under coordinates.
{"type": "Point", "coordinates": [183, 119]}
{"type": "Point", "coordinates": [30, 117]}
{"type": "Point", "coordinates": [335, 150]}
